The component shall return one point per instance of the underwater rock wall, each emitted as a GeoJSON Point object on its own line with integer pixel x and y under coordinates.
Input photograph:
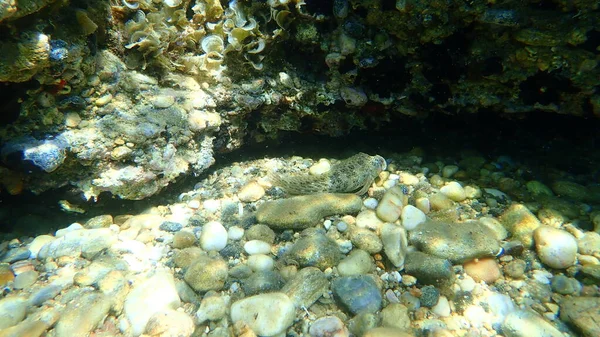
{"type": "Point", "coordinates": [123, 96]}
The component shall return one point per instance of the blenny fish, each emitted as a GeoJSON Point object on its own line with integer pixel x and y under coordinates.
{"type": "Point", "coordinates": [351, 175]}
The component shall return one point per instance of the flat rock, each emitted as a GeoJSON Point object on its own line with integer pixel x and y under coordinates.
{"type": "Point", "coordinates": [525, 323]}
{"type": "Point", "coordinates": [457, 242]}
{"type": "Point", "coordinates": [429, 269]}
{"type": "Point", "coordinates": [358, 294]}
{"type": "Point", "coordinates": [582, 312]}
{"type": "Point", "coordinates": [266, 314]}
{"type": "Point", "coordinates": [82, 315]}
{"type": "Point", "coordinates": [155, 294]}
{"type": "Point", "coordinates": [306, 287]}
{"type": "Point", "coordinates": [305, 211]}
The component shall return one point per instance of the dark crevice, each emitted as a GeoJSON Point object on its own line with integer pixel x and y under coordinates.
{"type": "Point", "coordinates": [545, 88]}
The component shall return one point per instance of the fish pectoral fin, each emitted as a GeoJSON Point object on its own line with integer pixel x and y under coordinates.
{"type": "Point", "coordinates": [364, 189]}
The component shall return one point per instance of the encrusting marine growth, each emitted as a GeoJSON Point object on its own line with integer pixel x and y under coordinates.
{"type": "Point", "coordinates": [351, 175]}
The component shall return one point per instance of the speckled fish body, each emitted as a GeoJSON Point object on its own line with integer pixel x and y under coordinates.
{"type": "Point", "coordinates": [351, 175]}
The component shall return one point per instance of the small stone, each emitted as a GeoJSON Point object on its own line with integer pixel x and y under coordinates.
{"type": "Point", "coordinates": [395, 244]}
{"type": "Point", "coordinates": [207, 274]}
{"type": "Point", "coordinates": [260, 232]}
{"type": "Point", "coordinates": [321, 167]}
{"type": "Point", "coordinates": [251, 192]}
{"type": "Point", "coordinates": [16, 254]}
{"type": "Point", "coordinates": [6, 275]}
{"type": "Point", "coordinates": [103, 100]}
{"type": "Point", "coordinates": [537, 189]}
{"type": "Point", "coordinates": [368, 219]}
{"type": "Point", "coordinates": [12, 311]}
{"type": "Point", "coordinates": [439, 201]}
{"type": "Point", "coordinates": [72, 119]}
{"type": "Point", "coordinates": [315, 250]}
{"type": "Point", "coordinates": [521, 223]}
{"type": "Point", "coordinates": [395, 315]}
{"type": "Point", "coordinates": [37, 244]}
{"type": "Point", "coordinates": [366, 239]}
{"type": "Point", "coordinates": [412, 217]}
{"type": "Point", "coordinates": [429, 296]}
{"type": "Point", "coordinates": [357, 293]}
{"type": "Point", "coordinates": [485, 269]}
{"type": "Point", "coordinates": [389, 208]}
{"type": "Point", "coordinates": [170, 226]}
{"type": "Point", "coordinates": [454, 191]}
{"type": "Point", "coordinates": [524, 323]}
{"type": "Point", "coordinates": [150, 296]}
{"type": "Point", "coordinates": [260, 262]}
{"type": "Point", "coordinates": [565, 285]}
{"type": "Point", "coordinates": [328, 326]}
{"type": "Point", "coordinates": [266, 314]}
{"type": "Point", "coordinates": [100, 221]}
{"type": "Point", "coordinates": [213, 236]}
{"type": "Point", "coordinates": [370, 203]}
{"type": "Point", "coordinates": [82, 315]}
{"type": "Point", "coordinates": [589, 244]}
{"type": "Point", "coordinates": [170, 323]}
{"type": "Point", "coordinates": [183, 239]}
{"type": "Point", "coordinates": [555, 247]}
{"type": "Point", "coordinates": [306, 287]}
{"type": "Point", "coordinates": [354, 97]}
{"type": "Point", "coordinates": [457, 242]}
{"type": "Point", "coordinates": [572, 190]}
{"type": "Point", "coordinates": [358, 262]}
{"type": "Point", "coordinates": [423, 204]}
{"type": "Point", "coordinates": [26, 279]}
{"type": "Point", "coordinates": [163, 101]}
{"type": "Point", "coordinates": [212, 308]}
{"type": "Point", "coordinates": [44, 294]}
{"type": "Point", "coordinates": [257, 247]}
{"type": "Point", "coordinates": [515, 269]}
{"type": "Point", "coordinates": [183, 258]}
{"type": "Point", "coordinates": [428, 269]}
{"type": "Point", "coordinates": [262, 282]}
{"type": "Point", "coordinates": [387, 332]}
{"type": "Point", "coordinates": [305, 211]}
{"type": "Point", "coordinates": [235, 233]}
{"type": "Point", "coordinates": [449, 170]}
{"type": "Point", "coordinates": [442, 308]}
{"type": "Point", "coordinates": [583, 313]}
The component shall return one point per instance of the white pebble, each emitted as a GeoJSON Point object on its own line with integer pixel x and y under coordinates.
{"type": "Point", "coordinates": [235, 233]}
{"type": "Point", "coordinates": [423, 204]}
{"type": "Point", "coordinates": [368, 219]}
{"type": "Point", "coordinates": [342, 226]}
{"type": "Point", "coordinates": [102, 101]}
{"type": "Point", "coordinates": [389, 184]}
{"type": "Point", "coordinates": [267, 314]}
{"type": "Point", "coordinates": [163, 101]}
{"type": "Point", "coordinates": [194, 204]}
{"type": "Point", "coordinates": [253, 247]}
{"type": "Point", "coordinates": [73, 227]}
{"type": "Point", "coordinates": [370, 203]}
{"type": "Point", "coordinates": [327, 224]}
{"type": "Point", "coordinates": [555, 247]}
{"type": "Point", "coordinates": [412, 217]}
{"type": "Point", "coordinates": [408, 179]}
{"type": "Point", "coordinates": [212, 205]}
{"type": "Point", "coordinates": [213, 236]}
{"type": "Point", "coordinates": [390, 207]}
{"type": "Point", "coordinates": [442, 308]}
{"type": "Point", "coordinates": [260, 262]}
{"type": "Point", "coordinates": [454, 191]}
{"type": "Point", "coordinates": [323, 166]}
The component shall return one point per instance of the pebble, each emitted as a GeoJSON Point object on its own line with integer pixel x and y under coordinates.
{"type": "Point", "coordinates": [25, 279]}
{"type": "Point", "coordinates": [408, 179]}
{"type": "Point", "coordinates": [328, 326]}
{"type": "Point", "coordinates": [306, 286]}
{"type": "Point", "coordinates": [315, 250]}
{"type": "Point", "coordinates": [366, 239]}
{"type": "Point", "coordinates": [515, 269]}
{"type": "Point", "coordinates": [571, 190]}
{"type": "Point", "coordinates": [442, 308]}
{"type": "Point", "coordinates": [523, 323]}
{"type": "Point", "coordinates": [521, 223]}
{"type": "Point", "coordinates": [213, 236]}
{"type": "Point", "coordinates": [212, 308]}
{"type": "Point", "coordinates": [163, 101]}
{"type": "Point", "coordinates": [454, 191]}
{"type": "Point", "coordinates": [429, 296]}
{"type": "Point", "coordinates": [72, 119]}
{"type": "Point", "coordinates": [235, 233]}
{"type": "Point", "coordinates": [589, 244]}
{"type": "Point", "coordinates": [257, 247]}
{"type": "Point", "coordinates": [357, 293]}
{"type": "Point", "coordinates": [412, 217]}
{"type": "Point", "coordinates": [358, 262]}
{"type": "Point", "coordinates": [103, 100]}
{"type": "Point", "coordinates": [395, 244]}
{"type": "Point", "coordinates": [16, 254]}
{"type": "Point", "coordinates": [387, 332]}
{"type": "Point", "coordinates": [583, 313]}
{"type": "Point", "coordinates": [428, 269]}
{"type": "Point", "coordinates": [305, 211]}
{"type": "Point", "coordinates": [206, 274]}
{"type": "Point", "coordinates": [449, 170]}
{"type": "Point", "coordinates": [395, 315]}
{"type": "Point", "coordinates": [100, 221]}
{"type": "Point", "coordinates": [389, 208]}
{"type": "Point", "coordinates": [12, 311]}
{"type": "Point", "coordinates": [457, 242]}
{"type": "Point", "coordinates": [46, 293]}
{"type": "Point", "coordinates": [565, 285]}
{"type": "Point", "coordinates": [262, 282]}
{"type": "Point", "coordinates": [152, 295]}
{"type": "Point", "coordinates": [439, 201]}
{"type": "Point", "coordinates": [537, 189]}
{"type": "Point", "coordinates": [423, 204]}
{"type": "Point", "coordinates": [170, 323]}
{"type": "Point", "coordinates": [170, 226]}
{"type": "Point", "coordinates": [368, 219]}
{"type": "Point", "coordinates": [485, 269]}
{"type": "Point", "coordinates": [321, 167]}
{"type": "Point", "coordinates": [37, 244]}
{"type": "Point", "coordinates": [82, 315]}
{"type": "Point", "coordinates": [555, 247]}
{"type": "Point", "coordinates": [266, 314]}
{"type": "Point", "coordinates": [183, 239]}
{"type": "Point", "coordinates": [370, 203]}
{"type": "Point", "coordinates": [260, 262]}
{"type": "Point", "coordinates": [261, 232]}
{"type": "Point", "coordinates": [251, 192]}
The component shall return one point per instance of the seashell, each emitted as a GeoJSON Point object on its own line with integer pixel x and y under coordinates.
{"type": "Point", "coordinates": [212, 43]}
{"type": "Point", "coordinates": [131, 4]}
{"type": "Point", "coordinates": [283, 19]}
{"type": "Point", "coordinates": [172, 3]}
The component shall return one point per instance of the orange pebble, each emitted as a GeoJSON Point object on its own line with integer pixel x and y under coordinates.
{"type": "Point", "coordinates": [485, 270]}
